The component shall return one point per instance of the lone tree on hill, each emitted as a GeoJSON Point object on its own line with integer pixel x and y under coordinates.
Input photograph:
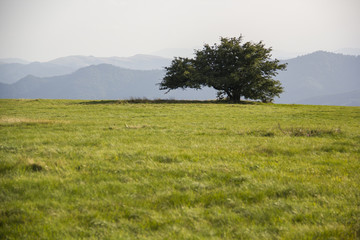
{"type": "Point", "coordinates": [234, 69]}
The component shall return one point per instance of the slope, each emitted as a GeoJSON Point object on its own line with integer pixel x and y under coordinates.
{"type": "Point", "coordinates": [317, 74]}
{"type": "Point", "coordinates": [12, 72]}
{"type": "Point", "coordinates": [136, 62]}
{"type": "Point", "coordinates": [343, 99]}
{"type": "Point", "coordinates": [102, 81]}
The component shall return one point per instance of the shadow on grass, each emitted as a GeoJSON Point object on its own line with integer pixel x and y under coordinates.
{"type": "Point", "coordinates": [165, 101]}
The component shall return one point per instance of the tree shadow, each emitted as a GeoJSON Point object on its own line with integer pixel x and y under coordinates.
{"type": "Point", "coordinates": [96, 102]}
{"type": "Point", "coordinates": [166, 101]}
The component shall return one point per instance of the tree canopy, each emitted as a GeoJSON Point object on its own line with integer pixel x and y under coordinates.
{"type": "Point", "coordinates": [234, 69]}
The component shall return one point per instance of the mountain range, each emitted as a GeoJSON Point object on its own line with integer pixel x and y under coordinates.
{"type": "Point", "coordinates": [103, 81]}
{"type": "Point", "coordinates": [12, 71]}
{"type": "Point", "coordinates": [319, 74]}
{"type": "Point", "coordinates": [317, 78]}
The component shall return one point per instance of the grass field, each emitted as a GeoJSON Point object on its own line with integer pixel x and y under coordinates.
{"type": "Point", "coordinates": [177, 170]}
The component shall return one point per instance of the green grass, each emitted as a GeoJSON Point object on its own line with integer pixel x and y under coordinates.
{"type": "Point", "coordinates": [178, 170]}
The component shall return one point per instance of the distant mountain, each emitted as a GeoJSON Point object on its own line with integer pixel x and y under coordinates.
{"type": "Point", "coordinates": [137, 62]}
{"type": "Point", "coordinates": [12, 72]}
{"type": "Point", "coordinates": [189, 52]}
{"type": "Point", "coordinates": [343, 99]}
{"type": "Point", "coordinates": [175, 52]}
{"type": "Point", "coordinates": [349, 51]}
{"type": "Point", "coordinates": [102, 81]}
{"type": "Point", "coordinates": [317, 78]}
{"type": "Point", "coordinates": [318, 74]}
{"type": "Point", "coordinates": [13, 60]}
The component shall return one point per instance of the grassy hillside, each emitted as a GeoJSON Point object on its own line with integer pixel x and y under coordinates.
{"type": "Point", "coordinates": [122, 170]}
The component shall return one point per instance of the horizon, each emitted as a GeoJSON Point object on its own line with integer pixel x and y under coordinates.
{"type": "Point", "coordinates": [16, 59]}
{"type": "Point", "coordinates": [44, 30]}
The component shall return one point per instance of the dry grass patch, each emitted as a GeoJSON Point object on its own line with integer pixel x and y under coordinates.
{"type": "Point", "coordinates": [12, 120]}
{"type": "Point", "coordinates": [135, 126]}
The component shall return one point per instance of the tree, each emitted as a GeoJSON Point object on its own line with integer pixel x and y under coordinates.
{"type": "Point", "coordinates": [234, 69]}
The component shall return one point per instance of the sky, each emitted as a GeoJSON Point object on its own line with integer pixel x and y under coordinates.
{"type": "Point", "coordinates": [41, 30]}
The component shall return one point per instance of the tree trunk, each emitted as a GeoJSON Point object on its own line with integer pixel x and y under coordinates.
{"type": "Point", "coordinates": [235, 97]}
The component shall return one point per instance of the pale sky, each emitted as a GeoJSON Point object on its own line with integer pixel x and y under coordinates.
{"type": "Point", "coordinates": [41, 30]}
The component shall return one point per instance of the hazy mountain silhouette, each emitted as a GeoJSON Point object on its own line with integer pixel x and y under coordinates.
{"type": "Point", "coordinates": [317, 78]}
{"type": "Point", "coordinates": [12, 72]}
{"type": "Point", "coordinates": [349, 51]}
{"type": "Point", "coordinates": [343, 99]}
{"type": "Point", "coordinates": [13, 60]}
{"type": "Point", "coordinates": [319, 74]}
{"type": "Point", "coordinates": [137, 62]}
{"type": "Point", "coordinates": [102, 81]}
{"type": "Point", "coordinates": [189, 53]}
{"type": "Point", "coordinates": [175, 52]}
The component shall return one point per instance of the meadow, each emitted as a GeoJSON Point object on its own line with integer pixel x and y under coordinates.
{"type": "Point", "coordinates": [72, 169]}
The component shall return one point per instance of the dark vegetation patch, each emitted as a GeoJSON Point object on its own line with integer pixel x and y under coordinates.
{"type": "Point", "coordinates": [136, 126]}
{"type": "Point", "coordinates": [12, 216]}
{"type": "Point", "coordinates": [165, 159]}
{"type": "Point", "coordinates": [175, 200]}
{"type": "Point", "coordinates": [293, 132]}
{"type": "Point", "coordinates": [34, 167]}
{"type": "Point", "coordinates": [261, 133]}
{"type": "Point", "coordinates": [341, 147]}
{"type": "Point", "coordinates": [335, 148]}
{"type": "Point", "coordinates": [164, 101]}
{"type": "Point", "coordinates": [276, 151]}
{"type": "Point", "coordinates": [5, 167]}
{"type": "Point", "coordinates": [309, 132]}
{"type": "Point", "coordinates": [229, 178]}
